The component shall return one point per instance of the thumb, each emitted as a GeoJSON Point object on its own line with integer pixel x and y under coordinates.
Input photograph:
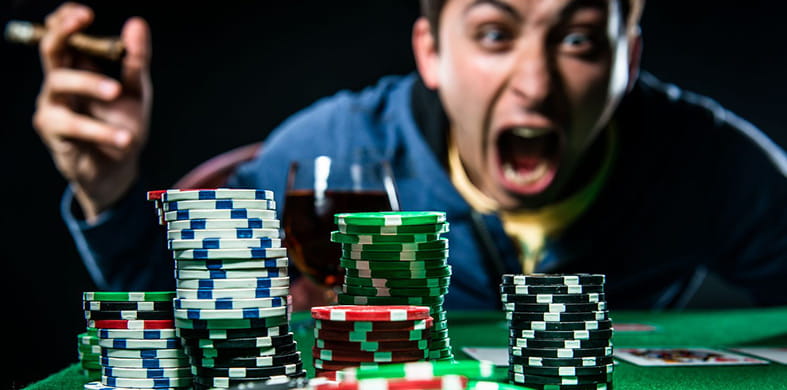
{"type": "Point", "coordinates": [136, 62]}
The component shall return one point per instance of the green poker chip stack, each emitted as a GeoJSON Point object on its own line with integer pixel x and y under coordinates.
{"type": "Point", "coordinates": [89, 353]}
{"type": "Point", "coordinates": [397, 258]}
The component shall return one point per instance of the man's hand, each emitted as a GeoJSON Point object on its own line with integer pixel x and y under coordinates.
{"type": "Point", "coordinates": [93, 125]}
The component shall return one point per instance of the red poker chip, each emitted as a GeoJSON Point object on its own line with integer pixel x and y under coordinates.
{"type": "Point", "coordinates": [131, 324]}
{"type": "Point", "coordinates": [327, 374]}
{"type": "Point", "coordinates": [370, 313]}
{"type": "Point", "coordinates": [399, 384]}
{"type": "Point", "coordinates": [333, 365]}
{"type": "Point", "coordinates": [156, 195]}
{"type": "Point", "coordinates": [376, 346]}
{"type": "Point", "coordinates": [338, 335]}
{"type": "Point", "coordinates": [363, 356]}
{"type": "Point", "coordinates": [375, 325]}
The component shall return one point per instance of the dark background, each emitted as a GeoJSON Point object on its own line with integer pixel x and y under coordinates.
{"type": "Point", "coordinates": [226, 75]}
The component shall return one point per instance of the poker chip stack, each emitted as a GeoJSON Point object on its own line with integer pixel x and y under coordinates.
{"type": "Point", "coordinates": [448, 382]}
{"type": "Point", "coordinates": [89, 354]}
{"type": "Point", "coordinates": [397, 258]}
{"type": "Point", "coordinates": [137, 340]}
{"type": "Point", "coordinates": [560, 331]}
{"type": "Point", "coordinates": [232, 281]}
{"type": "Point", "coordinates": [369, 336]}
{"type": "Point", "coordinates": [447, 375]}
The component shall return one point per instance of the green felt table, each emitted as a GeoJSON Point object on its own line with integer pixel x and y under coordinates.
{"type": "Point", "coordinates": [715, 329]}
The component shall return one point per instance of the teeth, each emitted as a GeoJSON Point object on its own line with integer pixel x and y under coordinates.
{"type": "Point", "coordinates": [527, 132]}
{"type": "Point", "coordinates": [525, 178]}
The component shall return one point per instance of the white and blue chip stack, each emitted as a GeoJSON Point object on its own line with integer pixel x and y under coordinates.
{"type": "Point", "coordinates": [232, 285]}
{"type": "Point", "coordinates": [136, 340]}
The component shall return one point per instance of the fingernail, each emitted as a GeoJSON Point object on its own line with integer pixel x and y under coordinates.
{"type": "Point", "coordinates": [122, 139]}
{"type": "Point", "coordinates": [108, 88]}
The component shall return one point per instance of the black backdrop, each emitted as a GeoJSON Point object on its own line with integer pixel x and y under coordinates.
{"type": "Point", "coordinates": [225, 75]}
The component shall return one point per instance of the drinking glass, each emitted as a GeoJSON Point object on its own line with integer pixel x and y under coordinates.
{"type": "Point", "coordinates": [316, 190]}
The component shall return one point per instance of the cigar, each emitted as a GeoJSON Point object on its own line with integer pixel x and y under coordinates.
{"type": "Point", "coordinates": [28, 33]}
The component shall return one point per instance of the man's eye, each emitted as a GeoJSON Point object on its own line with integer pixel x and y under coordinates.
{"type": "Point", "coordinates": [493, 37]}
{"type": "Point", "coordinates": [577, 43]}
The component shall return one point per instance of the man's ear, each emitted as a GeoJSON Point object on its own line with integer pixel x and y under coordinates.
{"type": "Point", "coordinates": [425, 51]}
{"type": "Point", "coordinates": [635, 55]}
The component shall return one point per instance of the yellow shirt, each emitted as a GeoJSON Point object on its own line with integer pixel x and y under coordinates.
{"type": "Point", "coordinates": [531, 228]}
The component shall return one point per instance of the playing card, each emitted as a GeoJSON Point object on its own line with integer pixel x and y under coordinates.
{"type": "Point", "coordinates": [652, 357]}
{"type": "Point", "coordinates": [776, 354]}
{"type": "Point", "coordinates": [498, 356]}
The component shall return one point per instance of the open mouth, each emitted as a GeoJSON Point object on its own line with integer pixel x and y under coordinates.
{"type": "Point", "coordinates": [528, 159]}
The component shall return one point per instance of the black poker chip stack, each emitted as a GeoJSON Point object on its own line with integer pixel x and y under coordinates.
{"type": "Point", "coordinates": [559, 331]}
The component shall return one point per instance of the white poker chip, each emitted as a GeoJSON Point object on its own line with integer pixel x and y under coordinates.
{"type": "Point", "coordinates": [231, 264]}
{"type": "Point", "coordinates": [260, 282]}
{"type": "Point", "coordinates": [236, 233]}
{"type": "Point", "coordinates": [219, 204]}
{"type": "Point", "coordinates": [232, 274]}
{"type": "Point", "coordinates": [245, 253]}
{"type": "Point", "coordinates": [202, 224]}
{"type": "Point", "coordinates": [234, 293]}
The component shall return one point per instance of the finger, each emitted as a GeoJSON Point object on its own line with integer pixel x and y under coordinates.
{"type": "Point", "coordinates": [55, 121]}
{"type": "Point", "coordinates": [136, 62]}
{"type": "Point", "coordinates": [64, 81]}
{"type": "Point", "coordinates": [66, 20]}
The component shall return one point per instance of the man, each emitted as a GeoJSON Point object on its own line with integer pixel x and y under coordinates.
{"type": "Point", "coordinates": [528, 123]}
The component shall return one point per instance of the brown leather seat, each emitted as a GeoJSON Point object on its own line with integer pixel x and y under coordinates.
{"type": "Point", "coordinates": [214, 172]}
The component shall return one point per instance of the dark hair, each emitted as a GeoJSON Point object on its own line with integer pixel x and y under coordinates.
{"type": "Point", "coordinates": [431, 9]}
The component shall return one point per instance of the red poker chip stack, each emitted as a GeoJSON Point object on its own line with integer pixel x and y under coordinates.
{"type": "Point", "coordinates": [368, 336]}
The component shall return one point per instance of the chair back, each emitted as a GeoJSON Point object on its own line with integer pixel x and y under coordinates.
{"type": "Point", "coordinates": [214, 172]}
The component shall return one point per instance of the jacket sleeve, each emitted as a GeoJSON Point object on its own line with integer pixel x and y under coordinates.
{"type": "Point", "coordinates": [124, 250]}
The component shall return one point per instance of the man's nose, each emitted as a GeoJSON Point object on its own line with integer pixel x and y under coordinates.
{"type": "Point", "coordinates": [531, 79]}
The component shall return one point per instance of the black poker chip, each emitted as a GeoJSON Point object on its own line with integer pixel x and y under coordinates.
{"type": "Point", "coordinates": [558, 317]}
{"type": "Point", "coordinates": [558, 380]}
{"type": "Point", "coordinates": [249, 362]}
{"type": "Point", "coordinates": [553, 298]}
{"type": "Point", "coordinates": [97, 315]}
{"type": "Point", "coordinates": [130, 305]}
{"type": "Point", "coordinates": [561, 353]}
{"type": "Point", "coordinates": [245, 342]}
{"type": "Point", "coordinates": [558, 362]}
{"type": "Point", "coordinates": [560, 326]}
{"type": "Point", "coordinates": [277, 383]}
{"type": "Point", "coordinates": [226, 353]}
{"type": "Point", "coordinates": [562, 371]}
{"type": "Point", "coordinates": [562, 334]}
{"type": "Point", "coordinates": [592, 386]}
{"type": "Point", "coordinates": [243, 372]}
{"type": "Point", "coordinates": [208, 382]}
{"type": "Point", "coordinates": [551, 289]}
{"type": "Point", "coordinates": [555, 307]}
{"type": "Point", "coordinates": [233, 333]}
{"type": "Point", "coordinates": [554, 279]}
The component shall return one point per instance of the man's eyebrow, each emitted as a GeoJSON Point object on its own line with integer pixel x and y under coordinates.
{"type": "Point", "coordinates": [577, 5]}
{"type": "Point", "coordinates": [500, 5]}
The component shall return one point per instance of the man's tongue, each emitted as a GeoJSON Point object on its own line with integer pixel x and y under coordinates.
{"type": "Point", "coordinates": [526, 154]}
{"type": "Point", "coordinates": [526, 163]}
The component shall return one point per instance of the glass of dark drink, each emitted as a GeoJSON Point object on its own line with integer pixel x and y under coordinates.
{"type": "Point", "coordinates": [316, 190]}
